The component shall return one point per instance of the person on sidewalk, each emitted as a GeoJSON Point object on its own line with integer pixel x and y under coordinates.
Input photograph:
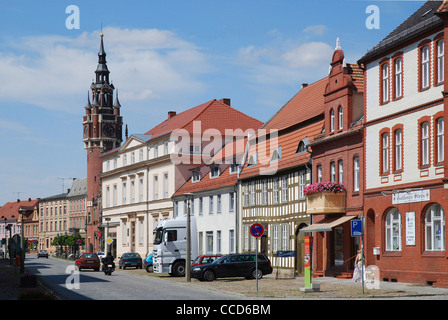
{"type": "Point", "coordinates": [359, 267]}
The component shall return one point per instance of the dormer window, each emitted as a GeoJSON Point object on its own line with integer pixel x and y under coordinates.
{"type": "Point", "coordinates": [277, 154]}
{"type": "Point", "coordinates": [252, 160]}
{"type": "Point", "coordinates": [234, 168]}
{"type": "Point", "coordinates": [196, 175]}
{"type": "Point", "coordinates": [214, 171]}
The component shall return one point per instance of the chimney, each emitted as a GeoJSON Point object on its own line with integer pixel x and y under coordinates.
{"type": "Point", "coordinates": [29, 199]}
{"type": "Point", "coordinates": [18, 200]}
{"type": "Point", "coordinates": [171, 114]}
{"type": "Point", "coordinates": [225, 101]}
{"type": "Point", "coordinates": [304, 85]}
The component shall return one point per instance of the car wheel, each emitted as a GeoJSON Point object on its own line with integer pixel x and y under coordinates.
{"type": "Point", "coordinates": [257, 274]}
{"type": "Point", "coordinates": [209, 275]}
{"type": "Point", "coordinates": [149, 268]}
{"type": "Point", "coordinates": [179, 269]}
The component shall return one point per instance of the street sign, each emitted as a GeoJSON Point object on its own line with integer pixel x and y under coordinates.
{"type": "Point", "coordinates": [356, 228]}
{"type": "Point", "coordinates": [98, 235]}
{"type": "Point", "coordinates": [79, 242]}
{"type": "Point", "coordinates": [256, 230]}
{"type": "Point", "coordinates": [109, 240]}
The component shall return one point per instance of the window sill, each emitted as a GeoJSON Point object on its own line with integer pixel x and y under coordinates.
{"type": "Point", "coordinates": [433, 254]}
{"type": "Point", "coordinates": [392, 253]}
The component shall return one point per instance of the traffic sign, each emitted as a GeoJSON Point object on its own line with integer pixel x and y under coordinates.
{"type": "Point", "coordinates": [109, 240]}
{"type": "Point", "coordinates": [356, 228]}
{"type": "Point", "coordinates": [79, 242]}
{"type": "Point", "coordinates": [256, 230]}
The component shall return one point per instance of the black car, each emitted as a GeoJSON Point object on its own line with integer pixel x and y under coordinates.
{"type": "Point", "coordinates": [233, 265]}
{"type": "Point", "coordinates": [42, 254]}
{"type": "Point", "coordinates": [130, 259]}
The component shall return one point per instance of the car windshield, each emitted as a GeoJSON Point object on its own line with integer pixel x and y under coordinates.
{"type": "Point", "coordinates": [196, 261]}
{"type": "Point", "coordinates": [89, 256]}
{"type": "Point", "coordinates": [131, 255]}
{"type": "Point", "coordinates": [100, 253]}
{"type": "Point", "coordinates": [158, 236]}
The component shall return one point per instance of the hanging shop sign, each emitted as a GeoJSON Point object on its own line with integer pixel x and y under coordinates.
{"type": "Point", "coordinates": [410, 228]}
{"type": "Point", "coordinates": [411, 196]}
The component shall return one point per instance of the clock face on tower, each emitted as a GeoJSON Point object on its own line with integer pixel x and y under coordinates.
{"type": "Point", "coordinates": [108, 130]}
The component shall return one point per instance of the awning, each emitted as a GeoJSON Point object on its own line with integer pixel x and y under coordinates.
{"type": "Point", "coordinates": [327, 224]}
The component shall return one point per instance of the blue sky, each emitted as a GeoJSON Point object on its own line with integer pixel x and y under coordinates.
{"type": "Point", "coordinates": [162, 55]}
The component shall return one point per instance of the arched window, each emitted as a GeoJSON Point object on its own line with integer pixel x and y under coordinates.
{"type": "Point", "coordinates": [393, 230]}
{"type": "Point", "coordinates": [435, 228]}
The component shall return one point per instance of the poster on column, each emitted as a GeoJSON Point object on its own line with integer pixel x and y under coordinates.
{"type": "Point", "coordinates": [410, 228]}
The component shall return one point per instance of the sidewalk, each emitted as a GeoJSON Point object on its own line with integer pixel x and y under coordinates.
{"type": "Point", "coordinates": [269, 287]}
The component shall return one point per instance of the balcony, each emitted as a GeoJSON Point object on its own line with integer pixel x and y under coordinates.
{"type": "Point", "coordinates": [325, 198]}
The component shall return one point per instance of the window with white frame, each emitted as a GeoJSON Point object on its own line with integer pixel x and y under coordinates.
{"type": "Point", "coordinates": [156, 188]}
{"type": "Point", "coordinates": [252, 193]}
{"type": "Point", "coordinates": [132, 191]}
{"type": "Point", "coordinates": [214, 171]}
{"type": "Point", "coordinates": [301, 184]}
{"type": "Point", "coordinates": [232, 201]}
{"type": "Point", "coordinates": [275, 191]}
{"type": "Point", "coordinates": [393, 230]}
{"type": "Point", "coordinates": [140, 190]}
{"type": "Point", "coordinates": [218, 203]}
{"type": "Point", "coordinates": [340, 171]}
{"type": "Point", "coordinates": [435, 228]}
{"type": "Point", "coordinates": [275, 238]}
{"type": "Point", "coordinates": [331, 120]}
{"type": "Point", "coordinates": [440, 139]}
{"type": "Point", "coordinates": [424, 143]}
{"type": "Point", "coordinates": [385, 82]}
{"type": "Point", "coordinates": [340, 118]}
{"type": "Point", "coordinates": [165, 185]}
{"type": "Point", "coordinates": [398, 65]}
{"type": "Point", "coordinates": [425, 67]}
{"type": "Point", "coordinates": [201, 205]}
{"type": "Point", "coordinates": [440, 60]}
{"type": "Point", "coordinates": [124, 192]}
{"type": "Point", "coordinates": [319, 173]}
{"type": "Point", "coordinates": [385, 151]}
{"type": "Point", "coordinates": [264, 197]}
{"type": "Point", "coordinates": [332, 171]}
{"type": "Point", "coordinates": [398, 149]}
{"type": "Point", "coordinates": [356, 174]}
{"type": "Point", "coordinates": [246, 194]}
{"type": "Point", "coordinates": [285, 189]}
{"type": "Point", "coordinates": [114, 195]}
{"type": "Point", "coordinates": [107, 197]}
{"type": "Point", "coordinates": [210, 207]}
{"type": "Point", "coordinates": [231, 241]}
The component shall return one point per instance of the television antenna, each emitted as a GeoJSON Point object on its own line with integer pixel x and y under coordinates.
{"type": "Point", "coordinates": [63, 184]}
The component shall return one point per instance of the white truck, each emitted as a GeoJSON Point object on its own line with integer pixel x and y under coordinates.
{"type": "Point", "coordinates": [170, 246]}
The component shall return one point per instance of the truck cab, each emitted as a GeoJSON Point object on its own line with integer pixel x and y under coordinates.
{"type": "Point", "coordinates": [170, 244]}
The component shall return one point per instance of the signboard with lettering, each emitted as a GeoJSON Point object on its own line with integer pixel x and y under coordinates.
{"type": "Point", "coordinates": [356, 228]}
{"type": "Point", "coordinates": [411, 196]}
{"type": "Point", "coordinates": [410, 228]}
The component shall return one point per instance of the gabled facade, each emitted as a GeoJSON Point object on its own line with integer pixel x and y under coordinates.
{"type": "Point", "coordinates": [338, 156]}
{"type": "Point", "coordinates": [139, 178]}
{"type": "Point", "coordinates": [53, 220]}
{"type": "Point", "coordinates": [11, 221]}
{"type": "Point", "coordinates": [406, 150]}
{"type": "Point", "coordinates": [270, 187]}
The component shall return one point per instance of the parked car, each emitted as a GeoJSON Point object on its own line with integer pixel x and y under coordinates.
{"type": "Point", "coordinates": [147, 263]}
{"type": "Point", "coordinates": [130, 259]}
{"type": "Point", "coordinates": [233, 265]}
{"type": "Point", "coordinates": [101, 255]}
{"type": "Point", "coordinates": [88, 260]}
{"type": "Point", "coordinates": [42, 254]}
{"type": "Point", "coordinates": [205, 259]}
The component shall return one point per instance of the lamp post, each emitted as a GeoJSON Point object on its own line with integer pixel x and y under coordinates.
{"type": "Point", "coordinates": [189, 197]}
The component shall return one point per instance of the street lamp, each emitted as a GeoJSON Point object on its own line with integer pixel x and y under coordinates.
{"type": "Point", "coordinates": [189, 197]}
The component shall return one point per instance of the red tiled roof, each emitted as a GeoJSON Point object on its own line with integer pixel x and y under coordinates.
{"type": "Point", "coordinates": [213, 114]}
{"type": "Point", "coordinates": [12, 208]}
{"type": "Point", "coordinates": [225, 179]}
{"type": "Point", "coordinates": [306, 104]}
{"type": "Point", "coordinates": [289, 143]}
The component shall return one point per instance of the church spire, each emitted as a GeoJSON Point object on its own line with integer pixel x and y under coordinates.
{"type": "Point", "coordinates": [102, 72]}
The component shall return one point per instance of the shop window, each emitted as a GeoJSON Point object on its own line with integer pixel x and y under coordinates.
{"type": "Point", "coordinates": [393, 230]}
{"type": "Point", "coordinates": [435, 228]}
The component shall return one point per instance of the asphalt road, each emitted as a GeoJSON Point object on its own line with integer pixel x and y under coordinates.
{"type": "Point", "coordinates": [71, 284]}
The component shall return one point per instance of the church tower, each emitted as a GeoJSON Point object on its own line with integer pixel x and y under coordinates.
{"type": "Point", "coordinates": [102, 132]}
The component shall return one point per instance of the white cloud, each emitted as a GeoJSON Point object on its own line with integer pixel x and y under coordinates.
{"type": "Point", "coordinates": [318, 29]}
{"type": "Point", "coordinates": [310, 54]}
{"type": "Point", "coordinates": [53, 72]}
